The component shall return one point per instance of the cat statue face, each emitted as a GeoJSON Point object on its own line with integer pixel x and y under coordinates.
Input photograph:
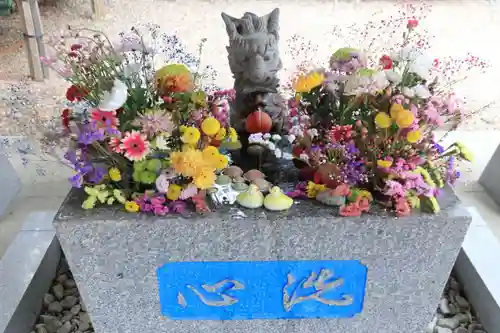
{"type": "Point", "coordinates": [253, 51]}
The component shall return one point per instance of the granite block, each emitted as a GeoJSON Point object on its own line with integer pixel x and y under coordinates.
{"type": "Point", "coordinates": [114, 257]}
{"type": "Point", "coordinates": [10, 183]}
{"type": "Point", "coordinates": [490, 177]}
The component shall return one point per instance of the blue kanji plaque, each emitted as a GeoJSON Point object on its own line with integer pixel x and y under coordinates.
{"type": "Point", "coordinates": [239, 290]}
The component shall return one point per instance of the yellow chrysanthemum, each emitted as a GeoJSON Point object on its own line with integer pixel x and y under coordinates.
{"type": "Point", "coordinates": [210, 153]}
{"type": "Point", "coordinates": [233, 135]}
{"type": "Point", "coordinates": [384, 164]}
{"type": "Point", "coordinates": [313, 189]}
{"type": "Point", "coordinates": [174, 192]}
{"type": "Point", "coordinates": [220, 162]}
{"type": "Point", "coordinates": [414, 136]}
{"type": "Point", "coordinates": [131, 206]}
{"type": "Point", "coordinates": [177, 160]}
{"type": "Point", "coordinates": [192, 159]}
{"type": "Point", "coordinates": [115, 174]}
{"type": "Point", "coordinates": [383, 120]}
{"type": "Point", "coordinates": [182, 128]}
{"type": "Point", "coordinates": [305, 83]}
{"type": "Point", "coordinates": [191, 135]}
{"type": "Point", "coordinates": [221, 134]}
{"type": "Point", "coordinates": [204, 178]}
{"type": "Point", "coordinates": [366, 194]}
{"type": "Point", "coordinates": [395, 110]}
{"type": "Point", "coordinates": [210, 126]}
{"type": "Point", "coordinates": [405, 119]}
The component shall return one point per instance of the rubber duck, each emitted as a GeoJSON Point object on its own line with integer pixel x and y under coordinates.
{"type": "Point", "coordinates": [276, 200]}
{"type": "Point", "coordinates": [251, 198]}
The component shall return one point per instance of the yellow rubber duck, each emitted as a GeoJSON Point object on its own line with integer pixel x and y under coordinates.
{"type": "Point", "coordinates": [277, 201]}
{"type": "Point", "coordinates": [251, 198]}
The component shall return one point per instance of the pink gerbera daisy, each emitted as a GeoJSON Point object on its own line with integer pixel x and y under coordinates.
{"type": "Point", "coordinates": [104, 119]}
{"type": "Point", "coordinates": [114, 144]}
{"type": "Point", "coordinates": [135, 146]}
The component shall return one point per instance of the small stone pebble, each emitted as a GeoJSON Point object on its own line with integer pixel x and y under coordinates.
{"type": "Point", "coordinates": [454, 313]}
{"type": "Point", "coordinates": [58, 291]}
{"type": "Point", "coordinates": [47, 299]}
{"type": "Point", "coordinates": [69, 284]}
{"type": "Point", "coordinates": [66, 328]}
{"type": "Point", "coordinates": [443, 330]}
{"type": "Point", "coordinates": [460, 330]}
{"type": "Point", "coordinates": [69, 301]}
{"type": "Point", "coordinates": [62, 310]}
{"type": "Point", "coordinates": [76, 309]}
{"type": "Point", "coordinates": [55, 307]}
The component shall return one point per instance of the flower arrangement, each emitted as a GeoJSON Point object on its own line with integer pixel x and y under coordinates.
{"type": "Point", "coordinates": [151, 140]}
{"type": "Point", "coordinates": [365, 132]}
{"type": "Point", "coordinates": [156, 140]}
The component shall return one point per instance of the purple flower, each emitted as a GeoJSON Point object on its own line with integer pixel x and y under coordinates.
{"type": "Point", "coordinates": [439, 148]}
{"type": "Point", "coordinates": [76, 180]}
{"type": "Point", "coordinates": [96, 175]}
{"type": "Point", "coordinates": [89, 135]}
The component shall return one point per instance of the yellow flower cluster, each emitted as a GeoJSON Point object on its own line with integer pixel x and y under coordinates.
{"type": "Point", "coordinates": [398, 115]}
{"type": "Point", "coordinates": [305, 83]}
{"type": "Point", "coordinates": [200, 165]}
{"type": "Point", "coordinates": [210, 127]}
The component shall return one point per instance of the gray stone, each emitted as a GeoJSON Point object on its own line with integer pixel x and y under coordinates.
{"type": "Point", "coordinates": [114, 257]}
{"type": "Point", "coordinates": [432, 325]}
{"type": "Point", "coordinates": [72, 292]}
{"type": "Point", "coordinates": [69, 284]}
{"type": "Point", "coordinates": [461, 330]}
{"type": "Point", "coordinates": [67, 316]}
{"type": "Point", "coordinates": [58, 291]}
{"type": "Point", "coordinates": [489, 179]}
{"type": "Point", "coordinates": [68, 302]}
{"type": "Point", "coordinates": [84, 308]}
{"type": "Point", "coordinates": [462, 302]}
{"type": "Point", "coordinates": [55, 307]}
{"type": "Point", "coordinates": [47, 299]}
{"type": "Point", "coordinates": [66, 328]}
{"type": "Point", "coordinates": [444, 307]}
{"type": "Point", "coordinates": [52, 324]}
{"type": "Point", "coordinates": [254, 60]}
{"type": "Point", "coordinates": [452, 323]}
{"type": "Point", "coordinates": [62, 278]}
{"type": "Point", "coordinates": [41, 329]}
{"type": "Point", "coordinates": [443, 330]}
{"type": "Point", "coordinates": [76, 309]}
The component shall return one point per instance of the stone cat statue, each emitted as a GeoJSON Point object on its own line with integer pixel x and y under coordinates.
{"type": "Point", "coordinates": [254, 60]}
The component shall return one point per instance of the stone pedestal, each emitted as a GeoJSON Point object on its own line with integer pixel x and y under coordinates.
{"type": "Point", "coordinates": [490, 178]}
{"type": "Point", "coordinates": [387, 273]}
{"type": "Point", "coordinates": [11, 185]}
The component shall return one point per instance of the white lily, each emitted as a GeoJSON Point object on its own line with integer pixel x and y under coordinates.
{"type": "Point", "coordinates": [114, 99]}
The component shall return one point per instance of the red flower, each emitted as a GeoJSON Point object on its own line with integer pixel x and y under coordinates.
{"type": "Point", "coordinates": [412, 24]}
{"type": "Point", "coordinates": [386, 62]}
{"type": "Point", "coordinates": [114, 144]}
{"type": "Point", "coordinates": [167, 99]}
{"type": "Point", "coordinates": [342, 190]}
{"type": "Point", "coordinates": [351, 209]}
{"type": "Point", "coordinates": [402, 207]}
{"type": "Point", "coordinates": [363, 204]}
{"type": "Point", "coordinates": [75, 93]}
{"type": "Point", "coordinates": [103, 119]}
{"type": "Point", "coordinates": [65, 118]}
{"type": "Point", "coordinates": [135, 145]}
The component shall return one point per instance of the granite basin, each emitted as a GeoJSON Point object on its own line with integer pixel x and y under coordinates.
{"type": "Point", "coordinates": [114, 257]}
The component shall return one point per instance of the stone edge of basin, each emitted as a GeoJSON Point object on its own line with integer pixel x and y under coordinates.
{"type": "Point", "coordinates": [9, 179]}
{"type": "Point", "coordinates": [474, 270]}
{"type": "Point", "coordinates": [26, 272]}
